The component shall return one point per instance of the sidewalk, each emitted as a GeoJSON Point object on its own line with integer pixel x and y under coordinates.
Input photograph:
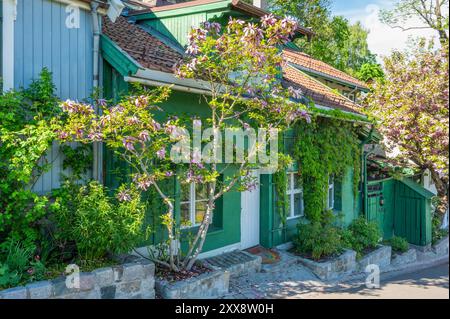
{"type": "Point", "coordinates": [289, 279]}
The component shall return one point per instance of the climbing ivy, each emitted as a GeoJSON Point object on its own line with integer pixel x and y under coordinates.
{"type": "Point", "coordinates": [326, 147]}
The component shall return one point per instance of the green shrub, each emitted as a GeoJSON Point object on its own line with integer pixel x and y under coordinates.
{"type": "Point", "coordinates": [317, 240]}
{"type": "Point", "coordinates": [20, 265]}
{"type": "Point", "coordinates": [96, 223]}
{"type": "Point", "coordinates": [361, 235]}
{"type": "Point", "coordinates": [398, 244]}
{"type": "Point", "coordinates": [437, 233]}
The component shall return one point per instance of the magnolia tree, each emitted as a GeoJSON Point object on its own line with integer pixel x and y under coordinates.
{"type": "Point", "coordinates": [412, 110]}
{"type": "Point", "coordinates": [240, 65]}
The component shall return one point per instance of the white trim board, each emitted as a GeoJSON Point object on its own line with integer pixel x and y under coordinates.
{"type": "Point", "coordinates": [9, 17]}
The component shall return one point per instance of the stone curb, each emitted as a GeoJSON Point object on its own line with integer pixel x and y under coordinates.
{"type": "Point", "coordinates": [398, 270]}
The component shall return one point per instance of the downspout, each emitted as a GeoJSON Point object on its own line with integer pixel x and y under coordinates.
{"type": "Point", "coordinates": [363, 187]}
{"type": "Point", "coordinates": [97, 148]}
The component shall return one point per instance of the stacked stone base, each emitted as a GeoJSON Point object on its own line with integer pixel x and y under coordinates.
{"type": "Point", "coordinates": [333, 269]}
{"type": "Point", "coordinates": [211, 285]}
{"type": "Point", "coordinates": [129, 281]}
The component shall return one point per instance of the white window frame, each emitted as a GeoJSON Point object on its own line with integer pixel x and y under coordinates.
{"type": "Point", "coordinates": [291, 192]}
{"type": "Point", "coordinates": [192, 206]}
{"type": "Point", "coordinates": [332, 189]}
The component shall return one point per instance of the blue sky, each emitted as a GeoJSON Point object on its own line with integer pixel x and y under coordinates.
{"type": "Point", "coordinates": [382, 39]}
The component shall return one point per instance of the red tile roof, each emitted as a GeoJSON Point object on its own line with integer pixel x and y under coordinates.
{"type": "Point", "coordinates": [150, 52]}
{"type": "Point", "coordinates": [308, 63]}
{"type": "Point", "coordinates": [318, 92]}
{"type": "Point", "coordinates": [144, 48]}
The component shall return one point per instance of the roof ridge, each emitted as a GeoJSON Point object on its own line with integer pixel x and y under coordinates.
{"type": "Point", "coordinates": [344, 75]}
{"type": "Point", "coordinates": [336, 97]}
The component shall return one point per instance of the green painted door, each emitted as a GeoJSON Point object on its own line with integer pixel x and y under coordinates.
{"type": "Point", "coordinates": [380, 206]}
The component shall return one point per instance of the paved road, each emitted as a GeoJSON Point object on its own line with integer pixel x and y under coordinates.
{"type": "Point", "coordinates": [430, 283]}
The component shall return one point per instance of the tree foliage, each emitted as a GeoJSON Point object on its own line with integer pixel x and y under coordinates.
{"type": "Point", "coordinates": [430, 14]}
{"type": "Point", "coordinates": [411, 109]}
{"type": "Point", "coordinates": [336, 41]}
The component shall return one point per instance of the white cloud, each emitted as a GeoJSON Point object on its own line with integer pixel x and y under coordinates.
{"type": "Point", "coordinates": [382, 38]}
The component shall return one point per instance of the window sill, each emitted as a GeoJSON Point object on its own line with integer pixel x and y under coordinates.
{"type": "Point", "coordinates": [213, 230]}
{"type": "Point", "coordinates": [295, 217]}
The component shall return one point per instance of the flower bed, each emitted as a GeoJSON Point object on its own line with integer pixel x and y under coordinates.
{"type": "Point", "coordinates": [129, 281]}
{"type": "Point", "coordinates": [207, 285]}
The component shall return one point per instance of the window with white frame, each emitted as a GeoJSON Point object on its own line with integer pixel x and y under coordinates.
{"type": "Point", "coordinates": [330, 200]}
{"type": "Point", "coordinates": [295, 196]}
{"type": "Point", "coordinates": [194, 198]}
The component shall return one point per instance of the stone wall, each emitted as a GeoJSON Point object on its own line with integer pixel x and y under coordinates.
{"type": "Point", "coordinates": [210, 285]}
{"type": "Point", "coordinates": [441, 247]}
{"type": "Point", "coordinates": [380, 257]}
{"type": "Point", "coordinates": [333, 269]}
{"type": "Point", "coordinates": [129, 281]}
{"type": "Point", "coordinates": [405, 258]}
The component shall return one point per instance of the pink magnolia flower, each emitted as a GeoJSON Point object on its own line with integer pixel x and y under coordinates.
{"type": "Point", "coordinates": [95, 136]}
{"type": "Point", "coordinates": [133, 120]}
{"type": "Point", "coordinates": [161, 154]}
{"type": "Point", "coordinates": [62, 135]}
{"type": "Point", "coordinates": [144, 136]}
{"type": "Point", "coordinates": [268, 20]}
{"type": "Point", "coordinates": [128, 143]}
{"type": "Point", "coordinates": [124, 196]}
{"type": "Point", "coordinates": [141, 101]}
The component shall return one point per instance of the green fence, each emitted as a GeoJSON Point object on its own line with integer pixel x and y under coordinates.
{"type": "Point", "coordinates": [401, 208]}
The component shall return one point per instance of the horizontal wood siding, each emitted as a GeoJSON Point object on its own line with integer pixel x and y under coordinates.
{"type": "Point", "coordinates": [43, 40]}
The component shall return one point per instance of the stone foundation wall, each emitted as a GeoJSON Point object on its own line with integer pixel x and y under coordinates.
{"type": "Point", "coordinates": [129, 281]}
{"type": "Point", "coordinates": [408, 257]}
{"type": "Point", "coordinates": [441, 247]}
{"type": "Point", "coordinates": [214, 284]}
{"type": "Point", "coordinates": [380, 257]}
{"type": "Point", "coordinates": [336, 268]}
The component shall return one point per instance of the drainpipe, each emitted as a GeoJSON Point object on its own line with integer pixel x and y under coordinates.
{"type": "Point", "coordinates": [97, 149]}
{"type": "Point", "coordinates": [363, 187]}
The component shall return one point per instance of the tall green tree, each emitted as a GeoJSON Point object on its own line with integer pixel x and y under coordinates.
{"type": "Point", "coordinates": [336, 41]}
{"type": "Point", "coordinates": [412, 111]}
{"type": "Point", "coordinates": [419, 14]}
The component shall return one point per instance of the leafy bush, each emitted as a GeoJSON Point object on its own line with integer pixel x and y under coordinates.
{"type": "Point", "coordinates": [361, 235]}
{"type": "Point", "coordinates": [398, 244]}
{"type": "Point", "coordinates": [20, 265]}
{"type": "Point", "coordinates": [96, 223]}
{"type": "Point", "coordinates": [437, 233]}
{"type": "Point", "coordinates": [27, 120]}
{"type": "Point", "coordinates": [319, 239]}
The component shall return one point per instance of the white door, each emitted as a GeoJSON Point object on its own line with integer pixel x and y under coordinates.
{"type": "Point", "coordinates": [250, 216]}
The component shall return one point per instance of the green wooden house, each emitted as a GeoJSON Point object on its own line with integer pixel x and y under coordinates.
{"type": "Point", "coordinates": [144, 45]}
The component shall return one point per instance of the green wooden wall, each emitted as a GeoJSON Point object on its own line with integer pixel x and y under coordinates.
{"type": "Point", "coordinates": [226, 226]}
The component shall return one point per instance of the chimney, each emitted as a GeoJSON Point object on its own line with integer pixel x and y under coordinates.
{"type": "Point", "coordinates": [262, 4]}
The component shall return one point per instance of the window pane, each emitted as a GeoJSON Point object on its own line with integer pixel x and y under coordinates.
{"type": "Point", "coordinates": [185, 192]}
{"type": "Point", "coordinates": [330, 198]}
{"type": "Point", "coordinates": [298, 204]}
{"type": "Point", "coordinates": [289, 183]}
{"type": "Point", "coordinates": [200, 211]}
{"type": "Point", "coordinates": [185, 215]}
{"type": "Point", "coordinates": [297, 181]}
{"type": "Point", "coordinates": [201, 192]}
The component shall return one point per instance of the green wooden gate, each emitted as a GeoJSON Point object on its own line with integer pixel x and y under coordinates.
{"type": "Point", "coordinates": [413, 212]}
{"type": "Point", "coordinates": [401, 208]}
{"type": "Point", "coordinates": [380, 206]}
